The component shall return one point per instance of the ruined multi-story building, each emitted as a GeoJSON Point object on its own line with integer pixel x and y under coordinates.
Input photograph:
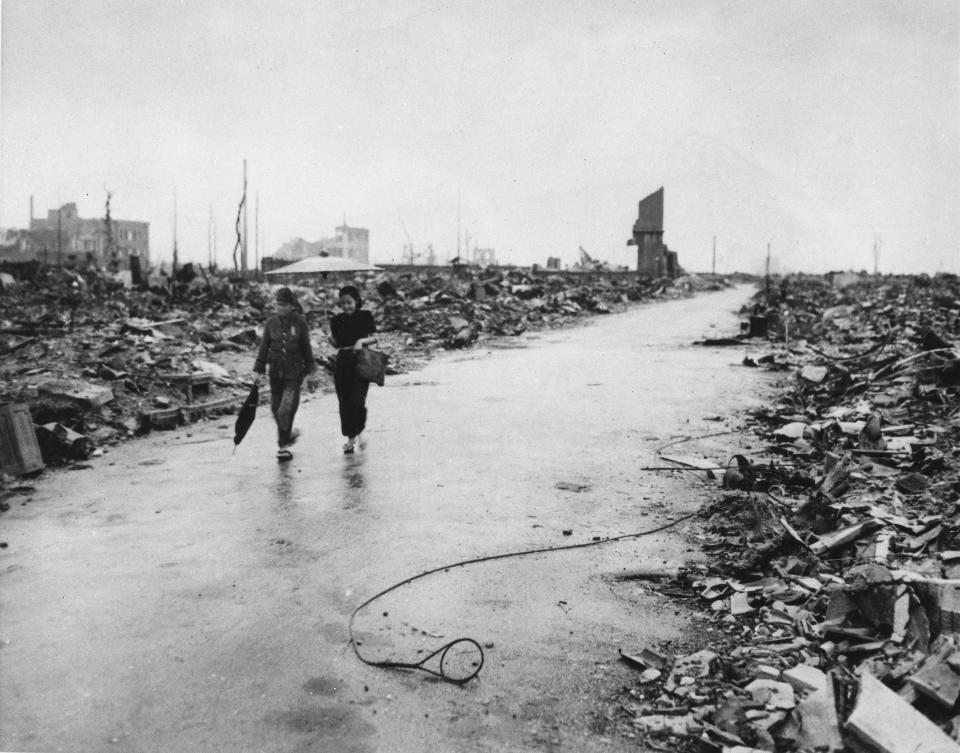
{"type": "Point", "coordinates": [63, 234]}
{"type": "Point", "coordinates": [484, 257]}
{"type": "Point", "coordinates": [348, 243]}
{"type": "Point", "coordinates": [654, 258]}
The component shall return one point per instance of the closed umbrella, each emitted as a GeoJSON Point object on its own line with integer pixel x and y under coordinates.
{"type": "Point", "coordinates": [248, 412]}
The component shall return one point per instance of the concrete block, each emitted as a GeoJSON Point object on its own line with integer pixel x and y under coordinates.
{"type": "Point", "coordinates": [806, 678]}
{"type": "Point", "coordinates": [819, 728]}
{"type": "Point", "coordinates": [886, 723]}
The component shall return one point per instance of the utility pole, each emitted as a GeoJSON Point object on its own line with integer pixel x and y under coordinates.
{"type": "Point", "coordinates": [216, 261]}
{"type": "Point", "coordinates": [109, 251]}
{"type": "Point", "coordinates": [176, 259]}
{"type": "Point", "coordinates": [768, 271]}
{"type": "Point", "coordinates": [876, 254]}
{"type": "Point", "coordinates": [714, 266]}
{"type": "Point", "coordinates": [243, 247]}
{"type": "Point", "coordinates": [256, 233]}
{"type": "Point", "coordinates": [59, 240]}
{"type": "Point", "coordinates": [241, 242]}
{"type": "Point", "coordinates": [458, 225]}
{"type": "Point", "coordinates": [210, 239]}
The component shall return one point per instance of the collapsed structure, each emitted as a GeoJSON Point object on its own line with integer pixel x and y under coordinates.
{"type": "Point", "coordinates": [654, 258]}
{"type": "Point", "coordinates": [106, 242]}
{"type": "Point", "coordinates": [829, 601]}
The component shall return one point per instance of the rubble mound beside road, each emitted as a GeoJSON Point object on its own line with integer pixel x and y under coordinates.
{"type": "Point", "coordinates": [829, 611]}
{"type": "Point", "coordinates": [98, 363]}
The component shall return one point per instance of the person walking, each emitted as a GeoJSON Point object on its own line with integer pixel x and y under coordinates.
{"type": "Point", "coordinates": [286, 349]}
{"type": "Point", "coordinates": [351, 330]}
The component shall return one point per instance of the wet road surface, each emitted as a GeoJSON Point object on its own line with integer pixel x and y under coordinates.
{"type": "Point", "coordinates": [176, 597]}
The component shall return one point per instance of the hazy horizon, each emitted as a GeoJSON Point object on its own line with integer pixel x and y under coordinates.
{"type": "Point", "coordinates": [814, 127]}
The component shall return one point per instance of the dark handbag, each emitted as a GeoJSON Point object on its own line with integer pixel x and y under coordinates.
{"type": "Point", "coordinates": [372, 365]}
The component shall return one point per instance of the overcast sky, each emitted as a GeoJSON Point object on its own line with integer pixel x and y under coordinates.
{"type": "Point", "coordinates": [811, 126]}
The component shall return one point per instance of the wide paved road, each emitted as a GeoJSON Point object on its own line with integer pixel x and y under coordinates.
{"type": "Point", "coordinates": [176, 597]}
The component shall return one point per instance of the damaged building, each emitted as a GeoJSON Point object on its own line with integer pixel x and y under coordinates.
{"type": "Point", "coordinates": [348, 243]}
{"type": "Point", "coordinates": [654, 258]}
{"type": "Point", "coordinates": [63, 233]}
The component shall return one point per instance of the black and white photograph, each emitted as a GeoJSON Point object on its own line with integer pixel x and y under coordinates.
{"type": "Point", "coordinates": [429, 376]}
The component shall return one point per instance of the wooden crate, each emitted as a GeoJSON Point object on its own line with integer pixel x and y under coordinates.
{"type": "Point", "coordinates": [19, 449]}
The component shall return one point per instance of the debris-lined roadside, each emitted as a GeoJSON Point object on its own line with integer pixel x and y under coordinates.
{"type": "Point", "coordinates": [97, 363]}
{"type": "Point", "coordinates": [831, 601]}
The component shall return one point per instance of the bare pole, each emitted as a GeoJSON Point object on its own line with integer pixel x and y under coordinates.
{"type": "Point", "coordinates": [243, 248]}
{"type": "Point", "coordinates": [238, 244]}
{"type": "Point", "coordinates": [108, 250]}
{"type": "Point", "coordinates": [59, 240]}
{"type": "Point", "coordinates": [210, 239]}
{"type": "Point", "coordinates": [768, 271]}
{"type": "Point", "coordinates": [256, 232]}
{"type": "Point", "coordinates": [714, 267]}
{"type": "Point", "coordinates": [175, 253]}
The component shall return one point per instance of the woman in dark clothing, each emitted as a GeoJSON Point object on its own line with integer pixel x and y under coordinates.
{"type": "Point", "coordinates": [350, 331]}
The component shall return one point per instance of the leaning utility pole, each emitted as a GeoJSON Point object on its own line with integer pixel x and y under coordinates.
{"type": "Point", "coordinates": [240, 244]}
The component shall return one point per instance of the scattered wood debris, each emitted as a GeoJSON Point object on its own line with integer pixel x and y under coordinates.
{"type": "Point", "coordinates": [833, 584]}
{"type": "Point", "coordinates": [109, 362]}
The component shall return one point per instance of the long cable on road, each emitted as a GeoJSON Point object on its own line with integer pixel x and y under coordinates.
{"type": "Point", "coordinates": [470, 642]}
{"type": "Point", "coordinates": [442, 651]}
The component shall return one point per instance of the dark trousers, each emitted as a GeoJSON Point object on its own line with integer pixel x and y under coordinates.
{"type": "Point", "coordinates": [284, 401]}
{"type": "Point", "coordinates": [351, 394]}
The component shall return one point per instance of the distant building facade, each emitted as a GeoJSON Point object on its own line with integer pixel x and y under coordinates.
{"type": "Point", "coordinates": [348, 243]}
{"type": "Point", "coordinates": [484, 257]}
{"type": "Point", "coordinates": [16, 245]}
{"type": "Point", "coordinates": [63, 233]}
{"type": "Point", "coordinates": [654, 258]}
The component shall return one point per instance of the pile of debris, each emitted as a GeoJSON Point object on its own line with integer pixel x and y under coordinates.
{"type": "Point", "coordinates": [98, 362]}
{"type": "Point", "coordinates": [457, 310]}
{"type": "Point", "coordinates": [833, 583]}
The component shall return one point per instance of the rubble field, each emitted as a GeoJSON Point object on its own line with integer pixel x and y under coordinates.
{"type": "Point", "coordinates": [98, 363]}
{"type": "Point", "coordinates": [827, 615]}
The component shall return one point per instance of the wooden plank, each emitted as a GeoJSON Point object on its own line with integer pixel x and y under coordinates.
{"type": "Point", "coordinates": [19, 449]}
{"type": "Point", "coordinates": [87, 395]}
{"type": "Point", "coordinates": [698, 463]}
